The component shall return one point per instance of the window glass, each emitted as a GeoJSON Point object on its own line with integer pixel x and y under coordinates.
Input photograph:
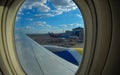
{"type": "Point", "coordinates": [49, 37]}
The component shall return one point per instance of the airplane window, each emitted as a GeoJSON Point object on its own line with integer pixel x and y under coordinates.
{"type": "Point", "coordinates": [49, 37]}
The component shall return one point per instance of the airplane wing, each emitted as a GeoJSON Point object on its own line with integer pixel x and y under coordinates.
{"type": "Point", "coordinates": [37, 60]}
{"type": "Point", "coordinates": [68, 54]}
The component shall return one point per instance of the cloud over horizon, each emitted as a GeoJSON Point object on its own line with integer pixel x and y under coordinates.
{"type": "Point", "coordinates": [42, 6]}
{"type": "Point", "coordinates": [48, 15]}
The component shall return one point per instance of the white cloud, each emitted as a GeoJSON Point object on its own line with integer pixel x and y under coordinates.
{"type": "Point", "coordinates": [61, 2]}
{"type": "Point", "coordinates": [20, 13]}
{"type": "Point", "coordinates": [42, 6]}
{"type": "Point", "coordinates": [79, 15]}
{"type": "Point", "coordinates": [29, 19]}
{"type": "Point", "coordinates": [24, 29]}
{"type": "Point", "coordinates": [43, 27]}
{"type": "Point", "coordinates": [63, 25]}
{"type": "Point", "coordinates": [43, 15]}
{"type": "Point", "coordinates": [18, 18]}
{"type": "Point", "coordinates": [42, 24]}
{"type": "Point", "coordinates": [48, 26]}
{"type": "Point", "coordinates": [41, 1]}
{"type": "Point", "coordinates": [64, 5]}
{"type": "Point", "coordinates": [49, 14]}
{"type": "Point", "coordinates": [60, 5]}
{"type": "Point", "coordinates": [39, 4]}
{"type": "Point", "coordinates": [75, 25]}
{"type": "Point", "coordinates": [71, 25]}
{"type": "Point", "coordinates": [28, 27]}
{"type": "Point", "coordinates": [56, 12]}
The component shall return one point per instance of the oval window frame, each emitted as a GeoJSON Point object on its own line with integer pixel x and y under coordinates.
{"type": "Point", "coordinates": [93, 21]}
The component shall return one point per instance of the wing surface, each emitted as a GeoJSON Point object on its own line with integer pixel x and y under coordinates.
{"type": "Point", "coordinates": [37, 60]}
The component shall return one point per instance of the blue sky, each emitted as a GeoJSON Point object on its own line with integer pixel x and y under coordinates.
{"type": "Point", "coordinates": [43, 16]}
